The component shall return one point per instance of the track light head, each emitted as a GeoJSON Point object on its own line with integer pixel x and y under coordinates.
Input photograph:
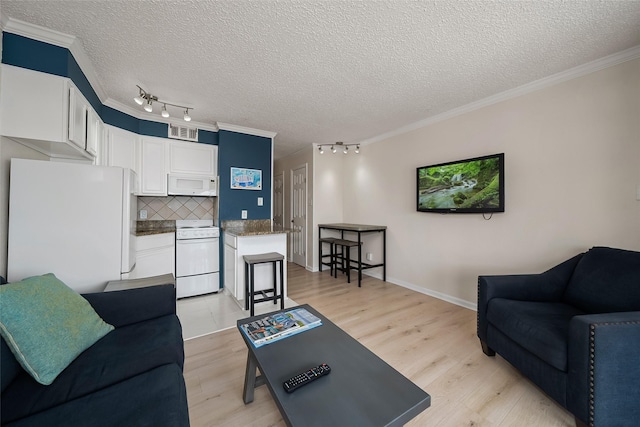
{"type": "Point", "coordinates": [148, 107]}
{"type": "Point", "coordinates": [321, 150]}
{"type": "Point", "coordinates": [357, 149]}
{"type": "Point", "coordinates": [333, 149]}
{"type": "Point", "coordinates": [165, 113]}
{"type": "Point", "coordinates": [187, 117]}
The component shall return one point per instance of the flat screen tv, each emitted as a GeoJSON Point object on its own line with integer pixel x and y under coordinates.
{"type": "Point", "coordinates": [464, 186]}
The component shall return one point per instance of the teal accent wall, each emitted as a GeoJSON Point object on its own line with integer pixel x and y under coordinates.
{"type": "Point", "coordinates": [243, 151]}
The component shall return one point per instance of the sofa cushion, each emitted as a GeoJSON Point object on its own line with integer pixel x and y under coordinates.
{"type": "Point", "coordinates": [539, 327]}
{"type": "Point", "coordinates": [47, 325]}
{"type": "Point", "coordinates": [125, 352]}
{"type": "Point", "coordinates": [9, 366]}
{"type": "Point", "coordinates": [154, 398]}
{"type": "Point", "coordinates": [606, 280]}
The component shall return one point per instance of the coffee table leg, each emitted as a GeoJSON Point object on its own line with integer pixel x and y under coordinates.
{"type": "Point", "coordinates": [251, 380]}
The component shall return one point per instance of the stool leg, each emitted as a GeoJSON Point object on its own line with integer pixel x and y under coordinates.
{"type": "Point", "coordinates": [252, 291]}
{"type": "Point", "coordinates": [348, 264]}
{"type": "Point", "coordinates": [281, 284]}
{"type": "Point", "coordinates": [246, 286]}
{"type": "Point", "coordinates": [275, 283]}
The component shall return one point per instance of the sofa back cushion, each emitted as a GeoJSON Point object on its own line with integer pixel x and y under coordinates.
{"type": "Point", "coordinates": [9, 366]}
{"type": "Point", "coordinates": [606, 280]}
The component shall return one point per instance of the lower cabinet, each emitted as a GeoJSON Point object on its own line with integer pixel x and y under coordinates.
{"type": "Point", "coordinates": [236, 247]}
{"type": "Point", "coordinates": [155, 255]}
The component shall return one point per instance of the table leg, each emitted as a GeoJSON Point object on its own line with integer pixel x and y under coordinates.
{"type": "Point", "coordinates": [384, 255]}
{"type": "Point", "coordinates": [359, 260]}
{"type": "Point", "coordinates": [251, 380]}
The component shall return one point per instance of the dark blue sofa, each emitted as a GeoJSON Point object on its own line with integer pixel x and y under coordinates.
{"type": "Point", "coordinates": [573, 330]}
{"type": "Point", "coordinates": [130, 377]}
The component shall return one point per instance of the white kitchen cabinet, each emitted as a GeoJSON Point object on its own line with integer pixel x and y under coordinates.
{"type": "Point", "coordinates": [121, 148]}
{"type": "Point", "coordinates": [236, 247]}
{"type": "Point", "coordinates": [44, 122]}
{"type": "Point", "coordinates": [78, 107]}
{"type": "Point", "coordinates": [155, 255]}
{"type": "Point", "coordinates": [153, 170]}
{"type": "Point", "coordinates": [189, 158]}
{"type": "Point", "coordinates": [94, 132]}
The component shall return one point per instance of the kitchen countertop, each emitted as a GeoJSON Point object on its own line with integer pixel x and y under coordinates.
{"type": "Point", "coordinates": [253, 227]}
{"type": "Point", "coordinates": [148, 228]}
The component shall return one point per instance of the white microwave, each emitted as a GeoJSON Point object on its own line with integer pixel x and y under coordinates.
{"type": "Point", "coordinates": [191, 185]}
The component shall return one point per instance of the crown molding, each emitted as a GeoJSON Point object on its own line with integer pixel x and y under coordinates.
{"type": "Point", "coordinates": [572, 73]}
{"type": "Point", "coordinates": [247, 130]}
{"type": "Point", "coordinates": [57, 38]}
{"type": "Point", "coordinates": [143, 115]}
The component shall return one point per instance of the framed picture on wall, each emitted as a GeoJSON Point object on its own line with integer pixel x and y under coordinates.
{"type": "Point", "coordinates": [246, 179]}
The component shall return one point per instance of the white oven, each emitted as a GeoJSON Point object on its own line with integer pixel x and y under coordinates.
{"type": "Point", "coordinates": [197, 258]}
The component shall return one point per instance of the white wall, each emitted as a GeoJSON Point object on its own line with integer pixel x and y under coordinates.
{"type": "Point", "coordinates": [572, 154]}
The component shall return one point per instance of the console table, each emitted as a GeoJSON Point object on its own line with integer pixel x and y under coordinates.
{"type": "Point", "coordinates": [361, 390]}
{"type": "Point", "coordinates": [359, 229]}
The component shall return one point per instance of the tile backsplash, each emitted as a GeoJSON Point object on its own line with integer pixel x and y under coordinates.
{"type": "Point", "coordinates": [178, 207]}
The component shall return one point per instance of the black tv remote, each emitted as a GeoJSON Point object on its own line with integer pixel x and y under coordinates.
{"type": "Point", "coordinates": [306, 377]}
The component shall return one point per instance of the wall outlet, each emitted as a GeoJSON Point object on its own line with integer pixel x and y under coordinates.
{"type": "Point", "coordinates": [244, 214]}
{"type": "Point", "coordinates": [369, 256]}
{"type": "Point", "coordinates": [143, 214]}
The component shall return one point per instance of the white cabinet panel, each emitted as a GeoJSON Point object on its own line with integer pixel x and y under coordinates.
{"type": "Point", "coordinates": [122, 148]}
{"type": "Point", "coordinates": [153, 171]}
{"type": "Point", "coordinates": [94, 132]}
{"type": "Point", "coordinates": [193, 158]}
{"type": "Point", "coordinates": [155, 255]}
{"type": "Point", "coordinates": [41, 123]}
{"type": "Point", "coordinates": [78, 108]}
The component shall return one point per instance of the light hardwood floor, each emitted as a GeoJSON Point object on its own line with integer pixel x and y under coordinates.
{"type": "Point", "coordinates": [430, 341]}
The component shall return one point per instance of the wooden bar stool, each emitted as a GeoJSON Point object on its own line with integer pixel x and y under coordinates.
{"type": "Point", "coordinates": [272, 294]}
{"type": "Point", "coordinates": [344, 257]}
{"type": "Point", "coordinates": [322, 256]}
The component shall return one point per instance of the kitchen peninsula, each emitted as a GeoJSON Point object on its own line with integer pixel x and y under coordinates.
{"type": "Point", "coordinates": [249, 237]}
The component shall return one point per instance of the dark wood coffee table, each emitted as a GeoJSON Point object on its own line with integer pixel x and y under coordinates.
{"type": "Point", "coordinates": [361, 390]}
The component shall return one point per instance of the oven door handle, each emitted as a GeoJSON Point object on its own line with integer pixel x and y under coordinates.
{"type": "Point", "coordinates": [197, 241]}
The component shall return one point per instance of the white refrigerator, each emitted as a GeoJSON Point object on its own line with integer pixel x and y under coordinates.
{"type": "Point", "coordinates": [77, 221]}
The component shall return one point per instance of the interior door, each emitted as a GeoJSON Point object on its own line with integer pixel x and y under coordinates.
{"type": "Point", "coordinates": [299, 215]}
{"type": "Point", "coordinates": [278, 199]}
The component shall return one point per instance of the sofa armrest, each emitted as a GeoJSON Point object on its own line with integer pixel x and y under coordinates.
{"type": "Point", "coordinates": [120, 308]}
{"type": "Point", "coordinates": [604, 369]}
{"type": "Point", "coordinates": [547, 286]}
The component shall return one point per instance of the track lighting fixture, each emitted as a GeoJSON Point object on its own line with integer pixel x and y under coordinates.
{"type": "Point", "coordinates": [345, 147]}
{"type": "Point", "coordinates": [146, 99]}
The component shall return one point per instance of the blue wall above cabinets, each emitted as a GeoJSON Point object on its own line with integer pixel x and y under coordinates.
{"type": "Point", "coordinates": [243, 151]}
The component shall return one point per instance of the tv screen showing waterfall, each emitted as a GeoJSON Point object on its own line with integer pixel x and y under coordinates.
{"type": "Point", "coordinates": [463, 186]}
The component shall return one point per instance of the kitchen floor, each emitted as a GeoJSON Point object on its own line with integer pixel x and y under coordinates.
{"type": "Point", "coordinates": [205, 314]}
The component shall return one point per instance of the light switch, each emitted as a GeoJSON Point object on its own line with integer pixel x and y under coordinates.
{"type": "Point", "coordinates": [244, 214]}
{"type": "Point", "coordinates": [143, 214]}
{"type": "Point", "coordinates": [260, 201]}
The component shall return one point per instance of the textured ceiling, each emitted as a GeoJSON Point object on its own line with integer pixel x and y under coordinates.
{"type": "Point", "coordinates": [326, 71]}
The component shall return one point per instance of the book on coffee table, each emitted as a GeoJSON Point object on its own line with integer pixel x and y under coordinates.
{"type": "Point", "coordinates": [276, 326]}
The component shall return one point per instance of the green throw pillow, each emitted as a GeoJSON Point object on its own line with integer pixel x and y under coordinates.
{"type": "Point", "coordinates": [47, 325]}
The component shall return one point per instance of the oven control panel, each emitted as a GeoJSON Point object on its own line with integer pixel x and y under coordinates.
{"type": "Point", "coordinates": [197, 233]}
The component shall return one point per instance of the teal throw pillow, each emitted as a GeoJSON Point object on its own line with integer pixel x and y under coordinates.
{"type": "Point", "coordinates": [47, 325]}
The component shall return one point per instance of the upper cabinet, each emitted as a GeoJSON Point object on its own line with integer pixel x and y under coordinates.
{"type": "Point", "coordinates": [188, 158]}
{"type": "Point", "coordinates": [54, 122]}
{"type": "Point", "coordinates": [121, 148]}
{"type": "Point", "coordinates": [153, 166]}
